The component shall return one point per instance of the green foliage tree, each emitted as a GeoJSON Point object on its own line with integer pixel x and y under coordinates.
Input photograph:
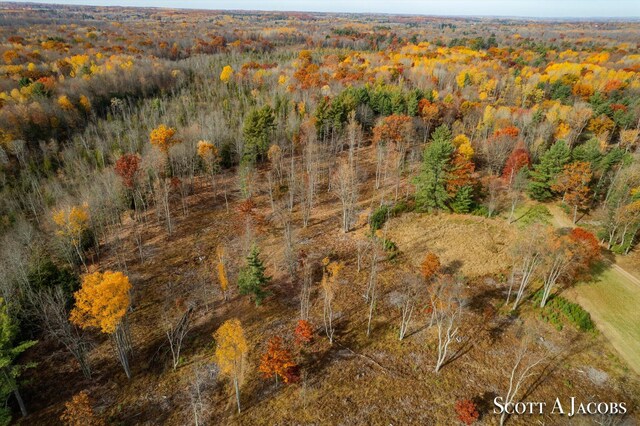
{"type": "Point", "coordinates": [9, 351]}
{"type": "Point", "coordinates": [431, 191]}
{"type": "Point", "coordinates": [545, 172]}
{"type": "Point", "coordinates": [257, 130]}
{"type": "Point", "coordinates": [462, 202]}
{"type": "Point", "coordinates": [252, 279]}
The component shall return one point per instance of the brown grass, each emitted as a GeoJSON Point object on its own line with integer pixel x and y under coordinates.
{"type": "Point", "coordinates": [471, 245]}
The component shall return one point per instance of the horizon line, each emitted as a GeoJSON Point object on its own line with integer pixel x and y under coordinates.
{"type": "Point", "coordinates": [434, 15]}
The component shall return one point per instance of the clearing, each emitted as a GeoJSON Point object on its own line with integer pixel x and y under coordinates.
{"type": "Point", "coordinates": [612, 299]}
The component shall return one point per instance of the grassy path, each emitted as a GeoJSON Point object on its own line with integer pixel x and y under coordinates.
{"type": "Point", "coordinates": [613, 301]}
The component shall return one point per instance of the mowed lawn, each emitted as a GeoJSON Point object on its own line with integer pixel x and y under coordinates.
{"type": "Point", "coordinates": [614, 304]}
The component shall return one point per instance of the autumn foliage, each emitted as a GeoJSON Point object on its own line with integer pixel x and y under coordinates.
{"type": "Point", "coordinates": [163, 137]}
{"type": "Point", "coordinates": [78, 412]}
{"type": "Point", "coordinates": [467, 411]}
{"type": "Point", "coordinates": [127, 167]}
{"type": "Point", "coordinates": [277, 361]}
{"type": "Point", "coordinates": [518, 160]}
{"type": "Point", "coordinates": [231, 348]}
{"type": "Point", "coordinates": [430, 265]}
{"type": "Point", "coordinates": [102, 301]}
{"type": "Point", "coordinates": [303, 332]}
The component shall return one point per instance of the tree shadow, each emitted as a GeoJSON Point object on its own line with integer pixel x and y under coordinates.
{"type": "Point", "coordinates": [484, 403]}
{"type": "Point", "coordinates": [453, 267]}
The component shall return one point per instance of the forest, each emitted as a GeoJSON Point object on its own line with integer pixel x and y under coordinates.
{"type": "Point", "coordinates": [259, 218]}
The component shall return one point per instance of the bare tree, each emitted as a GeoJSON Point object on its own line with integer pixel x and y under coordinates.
{"type": "Point", "coordinates": [405, 300]}
{"type": "Point", "coordinates": [523, 369]}
{"type": "Point", "coordinates": [176, 330]}
{"type": "Point", "coordinates": [311, 159]}
{"type": "Point", "coordinates": [346, 188]}
{"type": "Point", "coordinates": [205, 378]}
{"type": "Point", "coordinates": [528, 258]}
{"type": "Point", "coordinates": [372, 287]}
{"type": "Point", "coordinates": [446, 305]}
{"type": "Point", "coordinates": [49, 306]}
{"type": "Point", "coordinates": [329, 287]}
{"type": "Point", "coordinates": [363, 245]}
{"type": "Point", "coordinates": [305, 291]}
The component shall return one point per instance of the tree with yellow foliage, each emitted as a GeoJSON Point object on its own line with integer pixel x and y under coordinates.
{"type": "Point", "coordinates": [226, 74]}
{"type": "Point", "coordinates": [222, 270]}
{"type": "Point", "coordinates": [163, 137]}
{"type": "Point", "coordinates": [65, 103]}
{"type": "Point", "coordinates": [71, 224]}
{"type": "Point", "coordinates": [210, 155]}
{"type": "Point", "coordinates": [102, 302]}
{"type": "Point", "coordinates": [231, 351]}
{"type": "Point", "coordinates": [463, 144]}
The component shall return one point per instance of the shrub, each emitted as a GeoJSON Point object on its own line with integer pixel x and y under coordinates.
{"type": "Point", "coordinates": [558, 307]}
{"type": "Point", "coordinates": [378, 218]}
{"type": "Point", "coordinates": [467, 411]}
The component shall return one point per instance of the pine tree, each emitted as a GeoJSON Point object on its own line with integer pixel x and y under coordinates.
{"type": "Point", "coordinates": [463, 200]}
{"type": "Point", "coordinates": [545, 173]}
{"type": "Point", "coordinates": [252, 278]}
{"type": "Point", "coordinates": [9, 351]}
{"type": "Point", "coordinates": [257, 131]}
{"type": "Point", "coordinates": [431, 183]}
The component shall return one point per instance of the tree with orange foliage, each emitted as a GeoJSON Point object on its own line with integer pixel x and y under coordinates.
{"type": "Point", "coordinates": [163, 137]}
{"type": "Point", "coordinates": [428, 111]}
{"type": "Point", "coordinates": [102, 302]}
{"type": "Point", "coordinates": [303, 332]}
{"type": "Point", "coordinates": [277, 361]}
{"type": "Point", "coordinates": [78, 411]}
{"type": "Point", "coordinates": [574, 182]}
{"type": "Point", "coordinates": [430, 266]}
{"type": "Point", "coordinates": [467, 411]}
{"type": "Point", "coordinates": [460, 182]}
{"type": "Point", "coordinates": [231, 351]}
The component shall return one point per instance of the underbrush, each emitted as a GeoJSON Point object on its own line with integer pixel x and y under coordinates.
{"type": "Point", "coordinates": [558, 310]}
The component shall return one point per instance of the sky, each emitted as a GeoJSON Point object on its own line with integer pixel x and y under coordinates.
{"type": "Point", "coordinates": [522, 8]}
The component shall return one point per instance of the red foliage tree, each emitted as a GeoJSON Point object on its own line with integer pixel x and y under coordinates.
{"type": "Point", "coordinates": [588, 248]}
{"type": "Point", "coordinates": [127, 167]}
{"type": "Point", "coordinates": [303, 332]}
{"type": "Point", "coordinates": [518, 159]}
{"type": "Point", "coordinates": [467, 411]}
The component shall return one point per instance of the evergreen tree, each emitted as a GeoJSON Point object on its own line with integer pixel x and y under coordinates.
{"type": "Point", "coordinates": [257, 130]}
{"type": "Point", "coordinates": [252, 278]}
{"type": "Point", "coordinates": [9, 351]}
{"type": "Point", "coordinates": [431, 190]}
{"type": "Point", "coordinates": [413, 99]}
{"type": "Point", "coordinates": [463, 200]}
{"type": "Point", "coordinates": [545, 173]}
